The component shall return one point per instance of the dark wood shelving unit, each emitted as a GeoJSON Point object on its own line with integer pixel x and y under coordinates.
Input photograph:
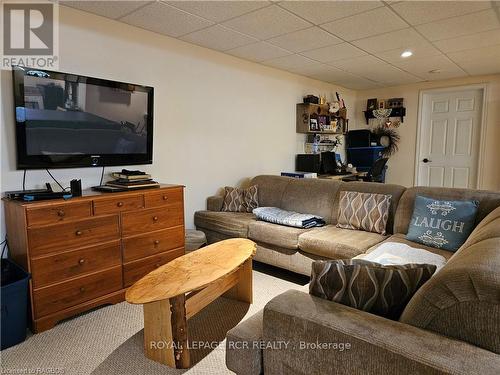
{"type": "Point", "coordinates": [396, 112]}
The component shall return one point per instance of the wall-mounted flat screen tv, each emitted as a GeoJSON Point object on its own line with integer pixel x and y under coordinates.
{"type": "Point", "coordinates": [67, 120]}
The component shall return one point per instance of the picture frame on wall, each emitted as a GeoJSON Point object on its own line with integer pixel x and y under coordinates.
{"type": "Point", "coordinates": [371, 104]}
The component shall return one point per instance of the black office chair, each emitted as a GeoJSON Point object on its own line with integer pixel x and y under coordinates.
{"type": "Point", "coordinates": [375, 174]}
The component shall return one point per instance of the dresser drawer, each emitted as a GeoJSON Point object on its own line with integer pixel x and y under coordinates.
{"type": "Point", "coordinates": [124, 203]}
{"type": "Point", "coordinates": [61, 296]}
{"type": "Point", "coordinates": [73, 234]}
{"type": "Point", "coordinates": [152, 219]}
{"type": "Point", "coordinates": [152, 243]}
{"type": "Point", "coordinates": [57, 213]}
{"type": "Point", "coordinates": [133, 271]}
{"type": "Point", "coordinates": [163, 197]}
{"type": "Point", "coordinates": [62, 266]}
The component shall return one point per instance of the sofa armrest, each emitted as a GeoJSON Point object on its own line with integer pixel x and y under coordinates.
{"type": "Point", "coordinates": [306, 332]}
{"type": "Point", "coordinates": [215, 203]}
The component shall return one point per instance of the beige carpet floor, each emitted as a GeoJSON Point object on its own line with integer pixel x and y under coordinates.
{"type": "Point", "coordinates": [109, 340]}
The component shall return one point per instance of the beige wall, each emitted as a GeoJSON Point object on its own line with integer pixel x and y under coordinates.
{"type": "Point", "coordinates": [402, 164]}
{"type": "Point", "coordinates": [218, 119]}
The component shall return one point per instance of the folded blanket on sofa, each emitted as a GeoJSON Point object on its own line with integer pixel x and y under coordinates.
{"type": "Point", "coordinates": [289, 218]}
{"type": "Point", "coordinates": [395, 253]}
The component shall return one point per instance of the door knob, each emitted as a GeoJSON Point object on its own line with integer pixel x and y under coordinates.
{"type": "Point", "coordinates": [425, 160]}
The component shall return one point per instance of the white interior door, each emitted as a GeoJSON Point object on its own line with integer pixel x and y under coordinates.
{"type": "Point", "coordinates": [450, 127]}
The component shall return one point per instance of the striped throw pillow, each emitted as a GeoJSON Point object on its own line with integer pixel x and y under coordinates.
{"type": "Point", "coordinates": [240, 200]}
{"type": "Point", "coordinates": [363, 211]}
{"type": "Point", "coordinates": [368, 286]}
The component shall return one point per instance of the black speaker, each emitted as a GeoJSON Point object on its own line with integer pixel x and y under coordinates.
{"type": "Point", "coordinates": [308, 163]}
{"type": "Point", "coordinates": [76, 188]}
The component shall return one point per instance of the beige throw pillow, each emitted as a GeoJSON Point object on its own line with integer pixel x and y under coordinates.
{"type": "Point", "coordinates": [240, 200]}
{"type": "Point", "coordinates": [363, 211]}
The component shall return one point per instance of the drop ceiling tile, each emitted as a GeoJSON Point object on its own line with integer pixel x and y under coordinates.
{"type": "Point", "coordinates": [421, 67]}
{"type": "Point", "coordinates": [109, 9]}
{"type": "Point", "coordinates": [267, 23]}
{"type": "Point", "coordinates": [319, 12]}
{"type": "Point", "coordinates": [333, 53]}
{"type": "Point", "coordinates": [164, 19]}
{"type": "Point", "coordinates": [462, 25]}
{"type": "Point", "coordinates": [289, 62]}
{"type": "Point", "coordinates": [373, 22]}
{"type": "Point", "coordinates": [465, 42]}
{"type": "Point", "coordinates": [258, 52]}
{"type": "Point", "coordinates": [482, 60]}
{"type": "Point", "coordinates": [372, 68]}
{"type": "Point", "coordinates": [219, 38]}
{"type": "Point", "coordinates": [218, 11]}
{"type": "Point", "coordinates": [316, 69]}
{"type": "Point", "coordinates": [354, 82]}
{"type": "Point", "coordinates": [395, 39]}
{"type": "Point", "coordinates": [394, 56]}
{"type": "Point", "coordinates": [417, 12]}
{"type": "Point", "coordinates": [478, 67]}
{"type": "Point", "coordinates": [306, 39]}
{"type": "Point", "coordinates": [483, 53]}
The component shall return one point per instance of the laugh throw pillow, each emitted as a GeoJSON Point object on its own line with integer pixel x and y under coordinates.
{"type": "Point", "coordinates": [442, 224]}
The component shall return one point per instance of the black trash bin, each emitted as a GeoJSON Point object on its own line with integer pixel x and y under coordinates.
{"type": "Point", "coordinates": [14, 289]}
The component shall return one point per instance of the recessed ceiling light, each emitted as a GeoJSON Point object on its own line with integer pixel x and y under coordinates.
{"type": "Point", "coordinates": [406, 54]}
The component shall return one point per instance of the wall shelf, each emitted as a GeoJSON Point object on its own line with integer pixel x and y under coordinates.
{"type": "Point", "coordinates": [316, 119]}
{"type": "Point", "coordinates": [396, 112]}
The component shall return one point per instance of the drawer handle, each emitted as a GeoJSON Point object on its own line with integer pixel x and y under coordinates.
{"type": "Point", "coordinates": [78, 233]}
{"type": "Point", "coordinates": [156, 242]}
{"type": "Point", "coordinates": [81, 261]}
{"type": "Point", "coordinates": [61, 213]}
{"type": "Point", "coordinates": [120, 204]}
{"type": "Point", "coordinates": [155, 218]}
{"type": "Point", "coordinates": [82, 290]}
{"type": "Point", "coordinates": [165, 197]}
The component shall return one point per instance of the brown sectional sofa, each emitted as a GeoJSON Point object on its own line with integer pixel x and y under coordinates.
{"type": "Point", "coordinates": [450, 326]}
{"type": "Point", "coordinates": [294, 248]}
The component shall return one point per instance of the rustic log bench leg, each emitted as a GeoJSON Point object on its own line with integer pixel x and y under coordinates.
{"type": "Point", "coordinates": [242, 291]}
{"type": "Point", "coordinates": [165, 332]}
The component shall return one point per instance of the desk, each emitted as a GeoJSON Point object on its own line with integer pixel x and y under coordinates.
{"type": "Point", "coordinates": [339, 177]}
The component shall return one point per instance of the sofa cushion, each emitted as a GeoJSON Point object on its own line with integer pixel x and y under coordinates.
{"type": "Point", "coordinates": [271, 189]}
{"type": "Point", "coordinates": [332, 242]}
{"type": "Point", "coordinates": [395, 191]}
{"type": "Point", "coordinates": [364, 211]}
{"type": "Point", "coordinates": [442, 224]}
{"type": "Point", "coordinates": [401, 238]}
{"type": "Point", "coordinates": [488, 201]}
{"type": "Point", "coordinates": [274, 234]}
{"type": "Point", "coordinates": [381, 290]}
{"type": "Point", "coordinates": [232, 224]}
{"type": "Point", "coordinates": [312, 196]}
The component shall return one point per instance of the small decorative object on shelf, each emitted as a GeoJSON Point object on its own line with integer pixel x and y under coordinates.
{"type": "Point", "coordinates": [311, 99]}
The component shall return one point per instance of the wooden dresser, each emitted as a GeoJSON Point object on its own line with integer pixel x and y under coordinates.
{"type": "Point", "coordinates": [84, 252]}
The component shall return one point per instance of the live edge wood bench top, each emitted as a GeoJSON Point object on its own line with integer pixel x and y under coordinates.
{"type": "Point", "coordinates": [192, 271]}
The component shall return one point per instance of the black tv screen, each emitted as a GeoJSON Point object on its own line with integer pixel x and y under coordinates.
{"type": "Point", "coordinates": [67, 120]}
